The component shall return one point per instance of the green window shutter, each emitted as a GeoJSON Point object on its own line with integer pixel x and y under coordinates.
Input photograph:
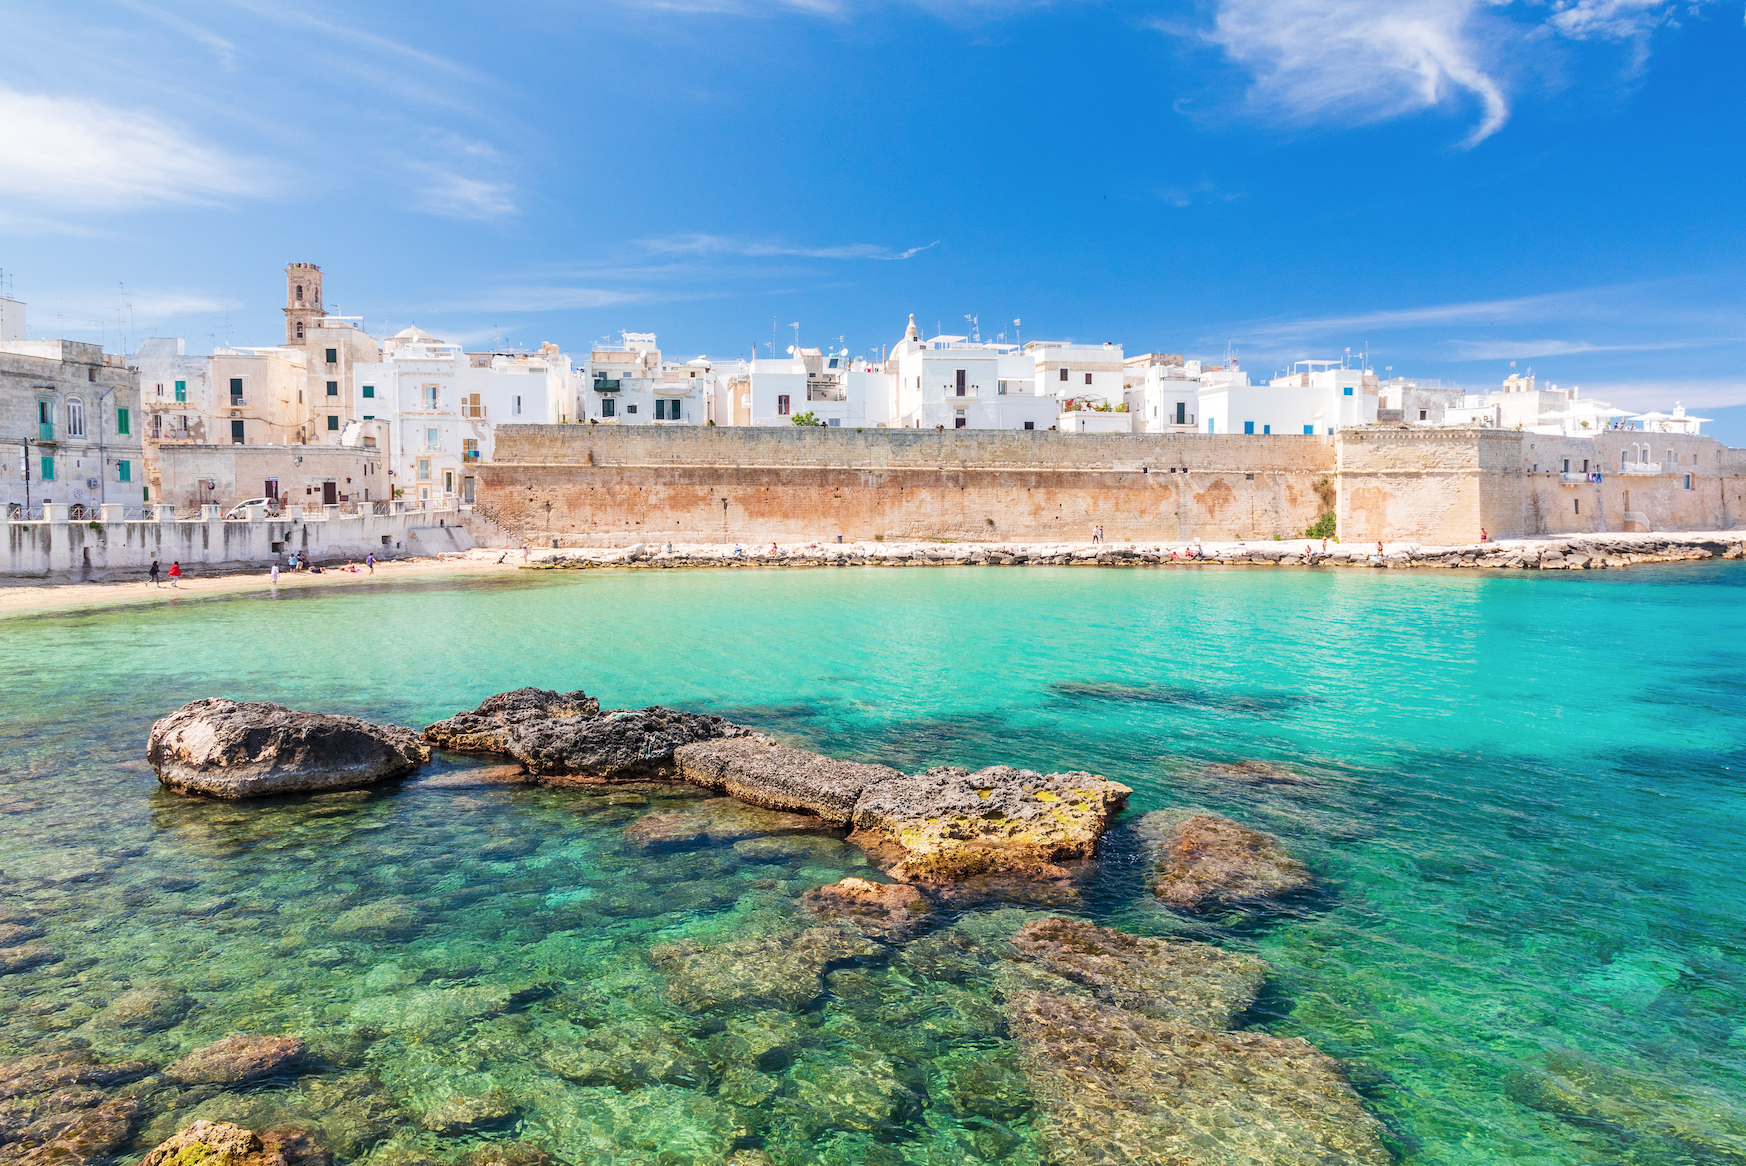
{"type": "Point", "coordinates": [48, 468]}
{"type": "Point", "coordinates": [369, 390]}
{"type": "Point", "coordinates": [121, 425]}
{"type": "Point", "coordinates": [181, 390]}
{"type": "Point", "coordinates": [333, 356]}
{"type": "Point", "coordinates": [145, 493]}
{"type": "Point", "coordinates": [126, 471]}
{"type": "Point", "coordinates": [332, 421]}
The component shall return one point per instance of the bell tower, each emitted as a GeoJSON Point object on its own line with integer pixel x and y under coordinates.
{"type": "Point", "coordinates": [302, 301]}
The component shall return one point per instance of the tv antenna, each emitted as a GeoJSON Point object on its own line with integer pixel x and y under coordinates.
{"type": "Point", "coordinates": [975, 328]}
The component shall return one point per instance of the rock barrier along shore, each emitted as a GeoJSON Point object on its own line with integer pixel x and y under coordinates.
{"type": "Point", "coordinates": [1571, 553]}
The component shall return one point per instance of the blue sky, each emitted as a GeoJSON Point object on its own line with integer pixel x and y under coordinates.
{"type": "Point", "coordinates": [1453, 183]}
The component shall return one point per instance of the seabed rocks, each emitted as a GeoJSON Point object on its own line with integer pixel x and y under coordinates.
{"type": "Point", "coordinates": [1204, 862]}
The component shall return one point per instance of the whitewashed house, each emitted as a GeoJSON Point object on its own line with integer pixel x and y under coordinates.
{"type": "Point", "coordinates": [952, 382]}
{"type": "Point", "coordinates": [1317, 396]}
{"type": "Point", "coordinates": [629, 384]}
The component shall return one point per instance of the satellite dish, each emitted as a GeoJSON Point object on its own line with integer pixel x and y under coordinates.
{"type": "Point", "coordinates": [791, 350]}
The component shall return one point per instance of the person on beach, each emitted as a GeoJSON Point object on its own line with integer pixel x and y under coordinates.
{"type": "Point", "coordinates": [370, 562]}
{"type": "Point", "coordinates": [155, 581]}
{"type": "Point", "coordinates": [503, 556]}
{"type": "Point", "coordinates": [1324, 544]}
{"type": "Point", "coordinates": [525, 553]}
{"type": "Point", "coordinates": [175, 572]}
{"type": "Point", "coordinates": [275, 573]}
{"type": "Point", "coordinates": [1483, 536]}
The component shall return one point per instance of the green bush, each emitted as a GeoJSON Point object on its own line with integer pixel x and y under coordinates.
{"type": "Point", "coordinates": [806, 418]}
{"type": "Point", "coordinates": [1322, 527]}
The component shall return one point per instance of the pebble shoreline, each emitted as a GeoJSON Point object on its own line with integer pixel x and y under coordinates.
{"type": "Point", "coordinates": [1580, 552]}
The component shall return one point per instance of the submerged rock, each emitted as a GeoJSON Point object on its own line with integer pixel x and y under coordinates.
{"type": "Point", "coordinates": [225, 749]}
{"type": "Point", "coordinates": [1205, 862]}
{"type": "Point", "coordinates": [90, 1137]}
{"type": "Point", "coordinates": [382, 918]}
{"type": "Point", "coordinates": [758, 771]}
{"type": "Point", "coordinates": [712, 822]}
{"type": "Point", "coordinates": [237, 1059]}
{"type": "Point", "coordinates": [26, 956]}
{"type": "Point", "coordinates": [219, 1143]}
{"type": "Point", "coordinates": [1115, 1086]}
{"type": "Point", "coordinates": [627, 1056]}
{"type": "Point", "coordinates": [46, 1072]}
{"type": "Point", "coordinates": [1187, 983]}
{"type": "Point", "coordinates": [151, 1008]}
{"type": "Point", "coordinates": [949, 824]}
{"type": "Point", "coordinates": [1254, 772]}
{"type": "Point", "coordinates": [890, 910]}
{"type": "Point", "coordinates": [784, 971]}
{"type": "Point", "coordinates": [560, 736]}
{"type": "Point", "coordinates": [1678, 1124]}
{"type": "Point", "coordinates": [459, 1113]}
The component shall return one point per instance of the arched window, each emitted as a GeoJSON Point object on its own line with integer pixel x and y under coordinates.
{"type": "Point", "coordinates": [300, 329]}
{"type": "Point", "coordinates": [75, 418]}
{"type": "Point", "coordinates": [1622, 455]}
{"type": "Point", "coordinates": [299, 293]}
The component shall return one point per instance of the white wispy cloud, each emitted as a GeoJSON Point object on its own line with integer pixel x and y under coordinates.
{"type": "Point", "coordinates": [70, 152]}
{"type": "Point", "coordinates": [1519, 349]}
{"type": "Point", "coordinates": [698, 244]}
{"type": "Point", "coordinates": [222, 48]}
{"type": "Point", "coordinates": [550, 299]}
{"type": "Point", "coordinates": [457, 196]}
{"type": "Point", "coordinates": [1518, 308]}
{"type": "Point", "coordinates": [1694, 393]}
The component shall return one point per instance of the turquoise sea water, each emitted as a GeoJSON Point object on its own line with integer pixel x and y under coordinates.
{"type": "Point", "coordinates": [1523, 793]}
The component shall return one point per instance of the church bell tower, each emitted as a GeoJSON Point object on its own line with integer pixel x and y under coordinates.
{"type": "Point", "coordinates": [303, 308]}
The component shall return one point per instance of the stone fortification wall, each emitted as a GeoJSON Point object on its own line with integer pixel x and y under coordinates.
{"type": "Point", "coordinates": [606, 485]}
{"type": "Point", "coordinates": [1439, 486]}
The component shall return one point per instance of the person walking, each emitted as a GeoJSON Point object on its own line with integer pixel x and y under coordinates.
{"type": "Point", "coordinates": [175, 573]}
{"type": "Point", "coordinates": [370, 562]}
{"type": "Point", "coordinates": [155, 581]}
{"type": "Point", "coordinates": [275, 572]}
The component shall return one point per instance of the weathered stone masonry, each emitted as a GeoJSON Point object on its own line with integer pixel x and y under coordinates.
{"type": "Point", "coordinates": [613, 485]}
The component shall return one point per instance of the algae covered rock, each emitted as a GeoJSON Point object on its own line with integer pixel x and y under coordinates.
{"type": "Point", "coordinates": [238, 1059]}
{"type": "Point", "coordinates": [149, 1008]}
{"type": "Point", "coordinates": [891, 910]}
{"type": "Point", "coordinates": [949, 824]}
{"type": "Point", "coordinates": [229, 749]}
{"type": "Point", "coordinates": [219, 1143]}
{"type": "Point", "coordinates": [1187, 983]}
{"type": "Point", "coordinates": [714, 821]}
{"type": "Point", "coordinates": [46, 1072]}
{"type": "Point", "coordinates": [92, 1136]}
{"type": "Point", "coordinates": [1206, 863]}
{"type": "Point", "coordinates": [380, 918]}
{"type": "Point", "coordinates": [26, 956]}
{"type": "Point", "coordinates": [1116, 1086]}
{"type": "Point", "coordinates": [783, 971]}
{"type": "Point", "coordinates": [758, 771]}
{"type": "Point", "coordinates": [1680, 1124]}
{"type": "Point", "coordinates": [564, 737]}
{"type": "Point", "coordinates": [627, 1055]}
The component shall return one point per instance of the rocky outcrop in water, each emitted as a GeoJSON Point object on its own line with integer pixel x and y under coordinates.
{"type": "Point", "coordinates": [1208, 863]}
{"type": "Point", "coordinates": [219, 1143]}
{"type": "Point", "coordinates": [564, 737]}
{"type": "Point", "coordinates": [228, 749]}
{"type": "Point", "coordinates": [54, 1110]}
{"type": "Point", "coordinates": [236, 1060]}
{"type": "Point", "coordinates": [712, 822]}
{"type": "Point", "coordinates": [1117, 1086]}
{"type": "Point", "coordinates": [757, 770]}
{"type": "Point", "coordinates": [949, 824]}
{"type": "Point", "coordinates": [778, 971]}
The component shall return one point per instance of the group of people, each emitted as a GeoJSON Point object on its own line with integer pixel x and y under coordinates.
{"type": "Point", "coordinates": [175, 574]}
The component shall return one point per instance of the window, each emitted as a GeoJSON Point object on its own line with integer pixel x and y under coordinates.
{"type": "Point", "coordinates": [448, 481]}
{"type": "Point", "coordinates": [236, 389]}
{"type": "Point", "coordinates": [433, 438]}
{"type": "Point", "coordinates": [333, 356]}
{"type": "Point", "coordinates": [1030, 425]}
{"type": "Point", "coordinates": [1063, 375]}
{"type": "Point", "coordinates": [181, 390]}
{"type": "Point", "coordinates": [333, 388]}
{"type": "Point", "coordinates": [1211, 424]}
{"type": "Point", "coordinates": [1181, 409]}
{"type": "Point", "coordinates": [272, 489]}
{"type": "Point", "coordinates": [666, 410]}
{"type": "Point", "coordinates": [959, 383]}
{"type": "Point", "coordinates": [782, 405]}
{"type": "Point", "coordinates": [1688, 481]}
{"type": "Point", "coordinates": [1585, 465]}
{"type": "Point", "coordinates": [300, 329]}
{"type": "Point", "coordinates": [428, 395]}
{"type": "Point", "coordinates": [470, 449]}
{"type": "Point", "coordinates": [121, 421]}
{"type": "Point", "coordinates": [1348, 390]}
{"type": "Point", "coordinates": [1000, 388]}
{"type": "Point", "coordinates": [75, 418]}
{"type": "Point", "coordinates": [630, 408]}
{"type": "Point", "coordinates": [333, 421]}
{"type": "Point", "coordinates": [1309, 430]}
{"type": "Point", "coordinates": [369, 390]}
{"type": "Point", "coordinates": [1248, 427]}
{"type": "Point", "coordinates": [608, 407]}
{"type": "Point", "coordinates": [1422, 415]}
{"type": "Point", "coordinates": [160, 389]}
{"type": "Point", "coordinates": [299, 293]}
{"type": "Point", "coordinates": [1622, 455]}
{"type": "Point", "coordinates": [1577, 502]}
{"type": "Point", "coordinates": [236, 432]}
{"type": "Point", "coordinates": [48, 469]}
{"type": "Point", "coordinates": [124, 471]}
{"type": "Point", "coordinates": [1088, 378]}
{"type": "Point", "coordinates": [424, 469]}
{"type": "Point", "coordinates": [960, 422]}
{"type": "Point", "coordinates": [157, 425]}
{"type": "Point", "coordinates": [516, 407]}
{"type": "Point", "coordinates": [91, 374]}
{"type": "Point", "coordinates": [1267, 429]}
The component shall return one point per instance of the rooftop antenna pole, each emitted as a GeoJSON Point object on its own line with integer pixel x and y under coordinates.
{"type": "Point", "coordinates": [1018, 334]}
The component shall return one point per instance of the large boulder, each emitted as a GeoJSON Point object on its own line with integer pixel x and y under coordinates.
{"type": "Point", "coordinates": [1117, 1086]}
{"type": "Point", "coordinates": [249, 749]}
{"type": "Point", "coordinates": [90, 1137]}
{"type": "Point", "coordinates": [889, 910]}
{"type": "Point", "coordinates": [564, 737]}
{"type": "Point", "coordinates": [949, 824]}
{"type": "Point", "coordinates": [756, 769]}
{"type": "Point", "coordinates": [1207, 863]}
{"type": "Point", "coordinates": [237, 1059]}
{"type": "Point", "coordinates": [1188, 983]}
{"type": "Point", "coordinates": [219, 1143]}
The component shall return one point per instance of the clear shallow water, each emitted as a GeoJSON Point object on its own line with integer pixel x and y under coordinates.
{"type": "Point", "coordinates": [1526, 804]}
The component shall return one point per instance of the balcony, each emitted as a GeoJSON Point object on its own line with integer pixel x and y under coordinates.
{"type": "Point", "coordinates": [45, 431]}
{"type": "Point", "coordinates": [602, 385]}
{"type": "Point", "coordinates": [1644, 468]}
{"type": "Point", "coordinates": [823, 390]}
{"type": "Point", "coordinates": [475, 412]}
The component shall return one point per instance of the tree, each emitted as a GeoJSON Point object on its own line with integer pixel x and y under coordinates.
{"type": "Point", "coordinates": [806, 418]}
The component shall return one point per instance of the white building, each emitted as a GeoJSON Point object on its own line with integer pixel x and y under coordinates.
{"type": "Point", "coordinates": [951, 382]}
{"type": "Point", "coordinates": [629, 384]}
{"type": "Point", "coordinates": [433, 408]}
{"type": "Point", "coordinates": [1318, 396]}
{"type": "Point", "coordinates": [833, 387]}
{"type": "Point", "coordinates": [1163, 393]}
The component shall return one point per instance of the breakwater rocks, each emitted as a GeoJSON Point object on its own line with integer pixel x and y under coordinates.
{"type": "Point", "coordinates": [942, 826]}
{"type": "Point", "coordinates": [1565, 553]}
{"type": "Point", "coordinates": [229, 749]}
